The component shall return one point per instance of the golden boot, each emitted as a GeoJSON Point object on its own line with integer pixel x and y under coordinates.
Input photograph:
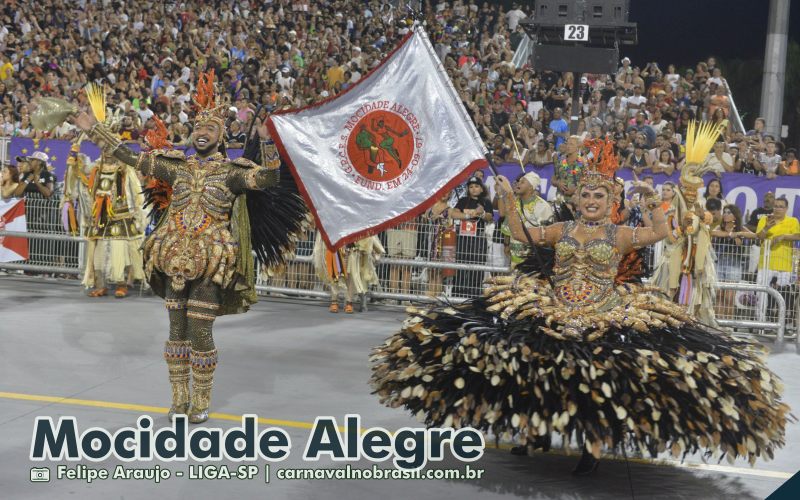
{"type": "Point", "coordinates": [177, 356]}
{"type": "Point", "coordinates": [203, 366]}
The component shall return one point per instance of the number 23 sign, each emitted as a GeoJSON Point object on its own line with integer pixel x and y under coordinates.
{"type": "Point", "coordinates": [576, 33]}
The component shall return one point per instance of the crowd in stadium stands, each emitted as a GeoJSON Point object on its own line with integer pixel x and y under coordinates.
{"type": "Point", "coordinates": [272, 55]}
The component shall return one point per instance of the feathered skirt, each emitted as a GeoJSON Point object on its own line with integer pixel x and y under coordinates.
{"type": "Point", "coordinates": [640, 374]}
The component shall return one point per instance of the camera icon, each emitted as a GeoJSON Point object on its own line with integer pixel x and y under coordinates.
{"type": "Point", "coordinates": [40, 475]}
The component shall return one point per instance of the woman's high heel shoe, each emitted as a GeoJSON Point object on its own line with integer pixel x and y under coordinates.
{"type": "Point", "coordinates": [541, 442]}
{"type": "Point", "coordinates": [586, 465]}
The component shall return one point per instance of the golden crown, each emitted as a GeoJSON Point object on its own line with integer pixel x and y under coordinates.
{"type": "Point", "coordinates": [206, 102]}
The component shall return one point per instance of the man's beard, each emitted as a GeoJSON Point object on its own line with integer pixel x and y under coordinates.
{"type": "Point", "coordinates": [209, 148]}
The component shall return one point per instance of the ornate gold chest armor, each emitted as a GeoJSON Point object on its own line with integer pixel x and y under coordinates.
{"type": "Point", "coordinates": [195, 241]}
{"type": "Point", "coordinates": [584, 273]}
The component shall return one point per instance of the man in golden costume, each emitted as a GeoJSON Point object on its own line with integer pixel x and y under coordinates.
{"type": "Point", "coordinates": [200, 256]}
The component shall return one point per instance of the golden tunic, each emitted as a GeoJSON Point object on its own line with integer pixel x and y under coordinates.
{"type": "Point", "coordinates": [584, 302]}
{"type": "Point", "coordinates": [195, 239]}
{"type": "Point", "coordinates": [116, 210]}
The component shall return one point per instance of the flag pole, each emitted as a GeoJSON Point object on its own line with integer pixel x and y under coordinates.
{"type": "Point", "coordinates": [475, 135]}
{"type": "Point", "coordinates": [521, 166]}
{"type": "Point", "coordinates": [528, 236]}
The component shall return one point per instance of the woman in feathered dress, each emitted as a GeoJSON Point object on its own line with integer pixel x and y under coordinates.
{"type": "Point", "coordinates": [580, 356]}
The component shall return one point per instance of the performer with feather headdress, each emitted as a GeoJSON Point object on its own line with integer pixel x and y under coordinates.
{"type": "Point", "coordinates": [686, 272]}
{"type": "Point", "coordinates": [200, 256]}
{"type": "Point", "coordinates": [582, 357]}
{"type": "Point", "coordinates": [115, 216]}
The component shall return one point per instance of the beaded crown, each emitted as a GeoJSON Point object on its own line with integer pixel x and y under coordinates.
{"type": "Point", "coordinates": [602, 166]}
{"type": "Point", "coordinates": [205, 101]}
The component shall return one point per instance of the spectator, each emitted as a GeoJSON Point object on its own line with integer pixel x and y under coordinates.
{"type": "Point", "coordinates": [713, 191]}
{"type": "Point", "coordinates": [236, 137]}
{"type": "Point", "coordinates": [9, 182]}
{"type": "Point", "coordinates": [790, 166]}
{"type": "Point", "coordinates": [638, 160]}
{"type": "Point", "coordinates": [761, 212]}
{"type": "Point", "coordinates": [514, 16]}
{"type": "Point", "coordinates": [36, 178]}
{"type": "Point", "coordinates": [665, 164]}
{"type": "Point", "coordinates": [441, 243]}
{"type": "Point", "coordinates": [472, 211]}
{"type": "Point", "coordinates": [718, 161]}
{"type": "Point", "coordinates": [714, 207]}
{"type": "Point", "coordinates": [732, 254]}
{"type": "Point", "coordinates": [559, 128]}
{"type": "Point", "coordinates": [618, 105]}
{"type": "Point", "coordinates": [401, 244]}
{"type": "Point", "coordinates": [667, 195]}
{"type": "Point", "coordinates": [769, 161]}
{"type": "Point", "coordinates": [719, 101]}
{"type": "Point", "coordinates": [540, 156]}
{"type": "Point", "coordinates": [781, 231]}
{"type": "Point", "coordinates": [640, 125]}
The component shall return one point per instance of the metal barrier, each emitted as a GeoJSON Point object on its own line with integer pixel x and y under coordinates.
{"type": "Point", "coordinates": [50, 248]}
{"type": "Point", "coordinates": [779, 326]}
{"type": "Point", "coordinates": [431, 259]}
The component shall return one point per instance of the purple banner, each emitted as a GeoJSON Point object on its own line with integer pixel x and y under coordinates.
{"type": "Point", "coordinates": [58, 151]}
{"type": "Point", "coordinates": [744, 190]}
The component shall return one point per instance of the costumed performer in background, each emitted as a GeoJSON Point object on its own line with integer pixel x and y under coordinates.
{"type": "Point", "coordinates": [350, 269]}
{"type": "Point", "coordinates": [116, 220]}
{"type": "Point", "coordinates": [580, 356]}
{"type": "Point", "coordinates": [686, 272]}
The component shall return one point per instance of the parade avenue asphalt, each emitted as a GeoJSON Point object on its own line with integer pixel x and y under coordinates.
{"type": "Point", "coordinates": [288, 362]}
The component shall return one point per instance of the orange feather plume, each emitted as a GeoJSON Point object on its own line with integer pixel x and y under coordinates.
{"type": "Point", "coordinates": [204, 97]}
{"type": "Point", "coordinates": [603, 161]}
{"type": "Point", "coordinates": [157, 138]}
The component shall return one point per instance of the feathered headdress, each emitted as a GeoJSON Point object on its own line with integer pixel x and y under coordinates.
{"type": "Point", "coordinates": [700, 138]}
{"type": "Point", "coordinates": [97, 101]}
{"type": "Point", "coordinates": [602, 167]}
{"type": "Point", "coordinates": [205, 101]}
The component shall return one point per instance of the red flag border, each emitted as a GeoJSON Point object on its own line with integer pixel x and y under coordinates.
{"type": "Point", "coordinates": [8, 240]}
{"type": "Point", "coordinates": [273, 132]}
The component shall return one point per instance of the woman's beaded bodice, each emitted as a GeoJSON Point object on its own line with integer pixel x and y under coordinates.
{"type": "Point", "coordinates": [584, 272]}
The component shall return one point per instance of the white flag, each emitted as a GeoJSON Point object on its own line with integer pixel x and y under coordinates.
{"type": "Point", "coordinates": [385, 149]}
{"type": "Point", "coordinates": [12, 218]}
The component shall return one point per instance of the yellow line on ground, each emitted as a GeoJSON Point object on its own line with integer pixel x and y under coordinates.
{"type": "Point", "coordinates": [147, 409]}
{"type": "Point", "coordinates": [306, 425]}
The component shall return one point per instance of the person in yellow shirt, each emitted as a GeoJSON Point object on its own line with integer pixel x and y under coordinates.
{"type": "Point", "coordinates": [6, 69]}
{"type": "Point", "coordinates": [335, 73]}
{"type": "Point", "coordinates": [781, 232]}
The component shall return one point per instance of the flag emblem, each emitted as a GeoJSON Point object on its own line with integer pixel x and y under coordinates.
{"type": "Point", "coordinates": [381, 147]}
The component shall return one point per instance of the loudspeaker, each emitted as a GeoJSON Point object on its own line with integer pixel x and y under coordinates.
{"type": "Point", "coordinates": [578, 59]}
{"type": "Point", "coordinates": [591, 12]}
